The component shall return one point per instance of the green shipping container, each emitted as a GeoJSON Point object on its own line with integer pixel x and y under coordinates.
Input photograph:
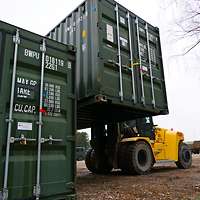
{"type": "Point", "coordinates": [37, 117]}
{"type": "Point", "coordinates": [119, 62]}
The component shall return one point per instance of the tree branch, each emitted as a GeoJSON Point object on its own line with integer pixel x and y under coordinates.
{"type": "Point", "coordinates": [193, 46]}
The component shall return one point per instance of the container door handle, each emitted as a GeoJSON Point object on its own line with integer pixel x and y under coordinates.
{"type": "Point", "coordinates": [119, 55]}
{"type": "Point", "coordinates": [50, 140]}
{"type": "Point", "coordinates": [140, 61]}
{"type": "Point", "coordinates": [16, 40]}
{"type": "Point", "coordinates": [22, 139]}
{"type": "Point", "coordinates": [36, 190]}
{"type": "Point", "coordinates": [131, 59]}
{"type": "Point", "coordinates": [150, 66]}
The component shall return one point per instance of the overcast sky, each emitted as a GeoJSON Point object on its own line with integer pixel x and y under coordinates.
{"type": "Point", "coordinates": [182, 73]}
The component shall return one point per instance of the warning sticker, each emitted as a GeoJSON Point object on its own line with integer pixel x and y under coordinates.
{"type": "Point", "coordinates": [24, 126]}
{"type": "Point", "coordinates": [122, 20]}
{"type": "Point", "coordinates": [124, 42]}
{"type": "Point", "coordinates": [109, 29]}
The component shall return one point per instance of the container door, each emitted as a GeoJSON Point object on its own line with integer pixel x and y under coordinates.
{"type": "Point", "coordinates": [117, 40]}
{"type": "Point", "coordinates": [145, 55]}
{"type": "Point", "coordinates": [151, 81]}
{"type": "Point", "coordinates": [39, 161]}
{"type": "Point", "coordinates": [132, 59]}
{"type": "Point", "coordinates": [119, 76]}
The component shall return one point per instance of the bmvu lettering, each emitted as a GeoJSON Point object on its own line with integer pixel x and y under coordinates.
{"type": "Point", "coordinates": [31, 54]}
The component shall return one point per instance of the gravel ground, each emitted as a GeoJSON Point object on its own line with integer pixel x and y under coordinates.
{"type": "Point", "coordinates": [165, 182]}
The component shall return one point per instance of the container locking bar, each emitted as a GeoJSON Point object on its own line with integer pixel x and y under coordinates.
{"type": "Point", "coordinates": [22, 139]}
{"type": "Point", "coordinates": [140, 61]}
{"type": "Point", "coordinates": [36, 190]}
{"type": "Point", "coordinates": [16, 40]}
{"type": "Point", "coordinates": [150, 66]}
{"type": "Point", "coordinates": [131, 58]}
{"type": "Point", "coordinates": [50, 140]}
{"type": "Point", "coordinates": [119, 54]}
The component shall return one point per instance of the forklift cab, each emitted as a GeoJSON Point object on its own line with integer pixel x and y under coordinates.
{"type": "Point", "coordinates": [141, 127]}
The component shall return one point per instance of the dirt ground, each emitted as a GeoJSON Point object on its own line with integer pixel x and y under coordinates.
{"type": "Point", "coordinates": [166, 182]}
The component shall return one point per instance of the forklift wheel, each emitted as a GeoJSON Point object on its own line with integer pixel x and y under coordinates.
{"type": "Point", "coordinates": [184, 157]}
{"type": "Point", "coordinates": [90, 161]}
{"type": "Point", "coordinates": [102, 167]}
{"type": "Point", "coordinates": [140, 158]}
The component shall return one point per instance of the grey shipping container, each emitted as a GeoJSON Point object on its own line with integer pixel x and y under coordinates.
{"type": "Point", "coordinates": [119, 62]}
{"type": "Point", "coordinates": [37, 116]}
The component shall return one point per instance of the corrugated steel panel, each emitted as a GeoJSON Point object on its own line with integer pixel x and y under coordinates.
{"type": "Point", "coordinates": [38, 151]}
{"type": "Point", "coordinates": [118, 57]}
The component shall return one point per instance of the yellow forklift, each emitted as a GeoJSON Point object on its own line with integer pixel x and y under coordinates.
{"type": "Point", "coordinates": [135, 146]}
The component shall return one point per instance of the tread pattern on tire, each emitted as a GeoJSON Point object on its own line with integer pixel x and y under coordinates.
{"type": "Point", "coordinates": [127, 156]}
{"type": "Point", "coordinates": [181, 163]}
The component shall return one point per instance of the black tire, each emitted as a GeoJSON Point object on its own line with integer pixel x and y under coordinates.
{"type": "Point", "coordinates": [102, 167]}
{"type": "Point", "coordinates": [139, 158]}
{"type": "Point", "coordinates": [90, 161]}
{"type": "Point", "coordinates": [184, 156]}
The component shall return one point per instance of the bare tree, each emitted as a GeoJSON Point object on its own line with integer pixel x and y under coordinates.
{"type": "Point", "coordinates": [189, 22]}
